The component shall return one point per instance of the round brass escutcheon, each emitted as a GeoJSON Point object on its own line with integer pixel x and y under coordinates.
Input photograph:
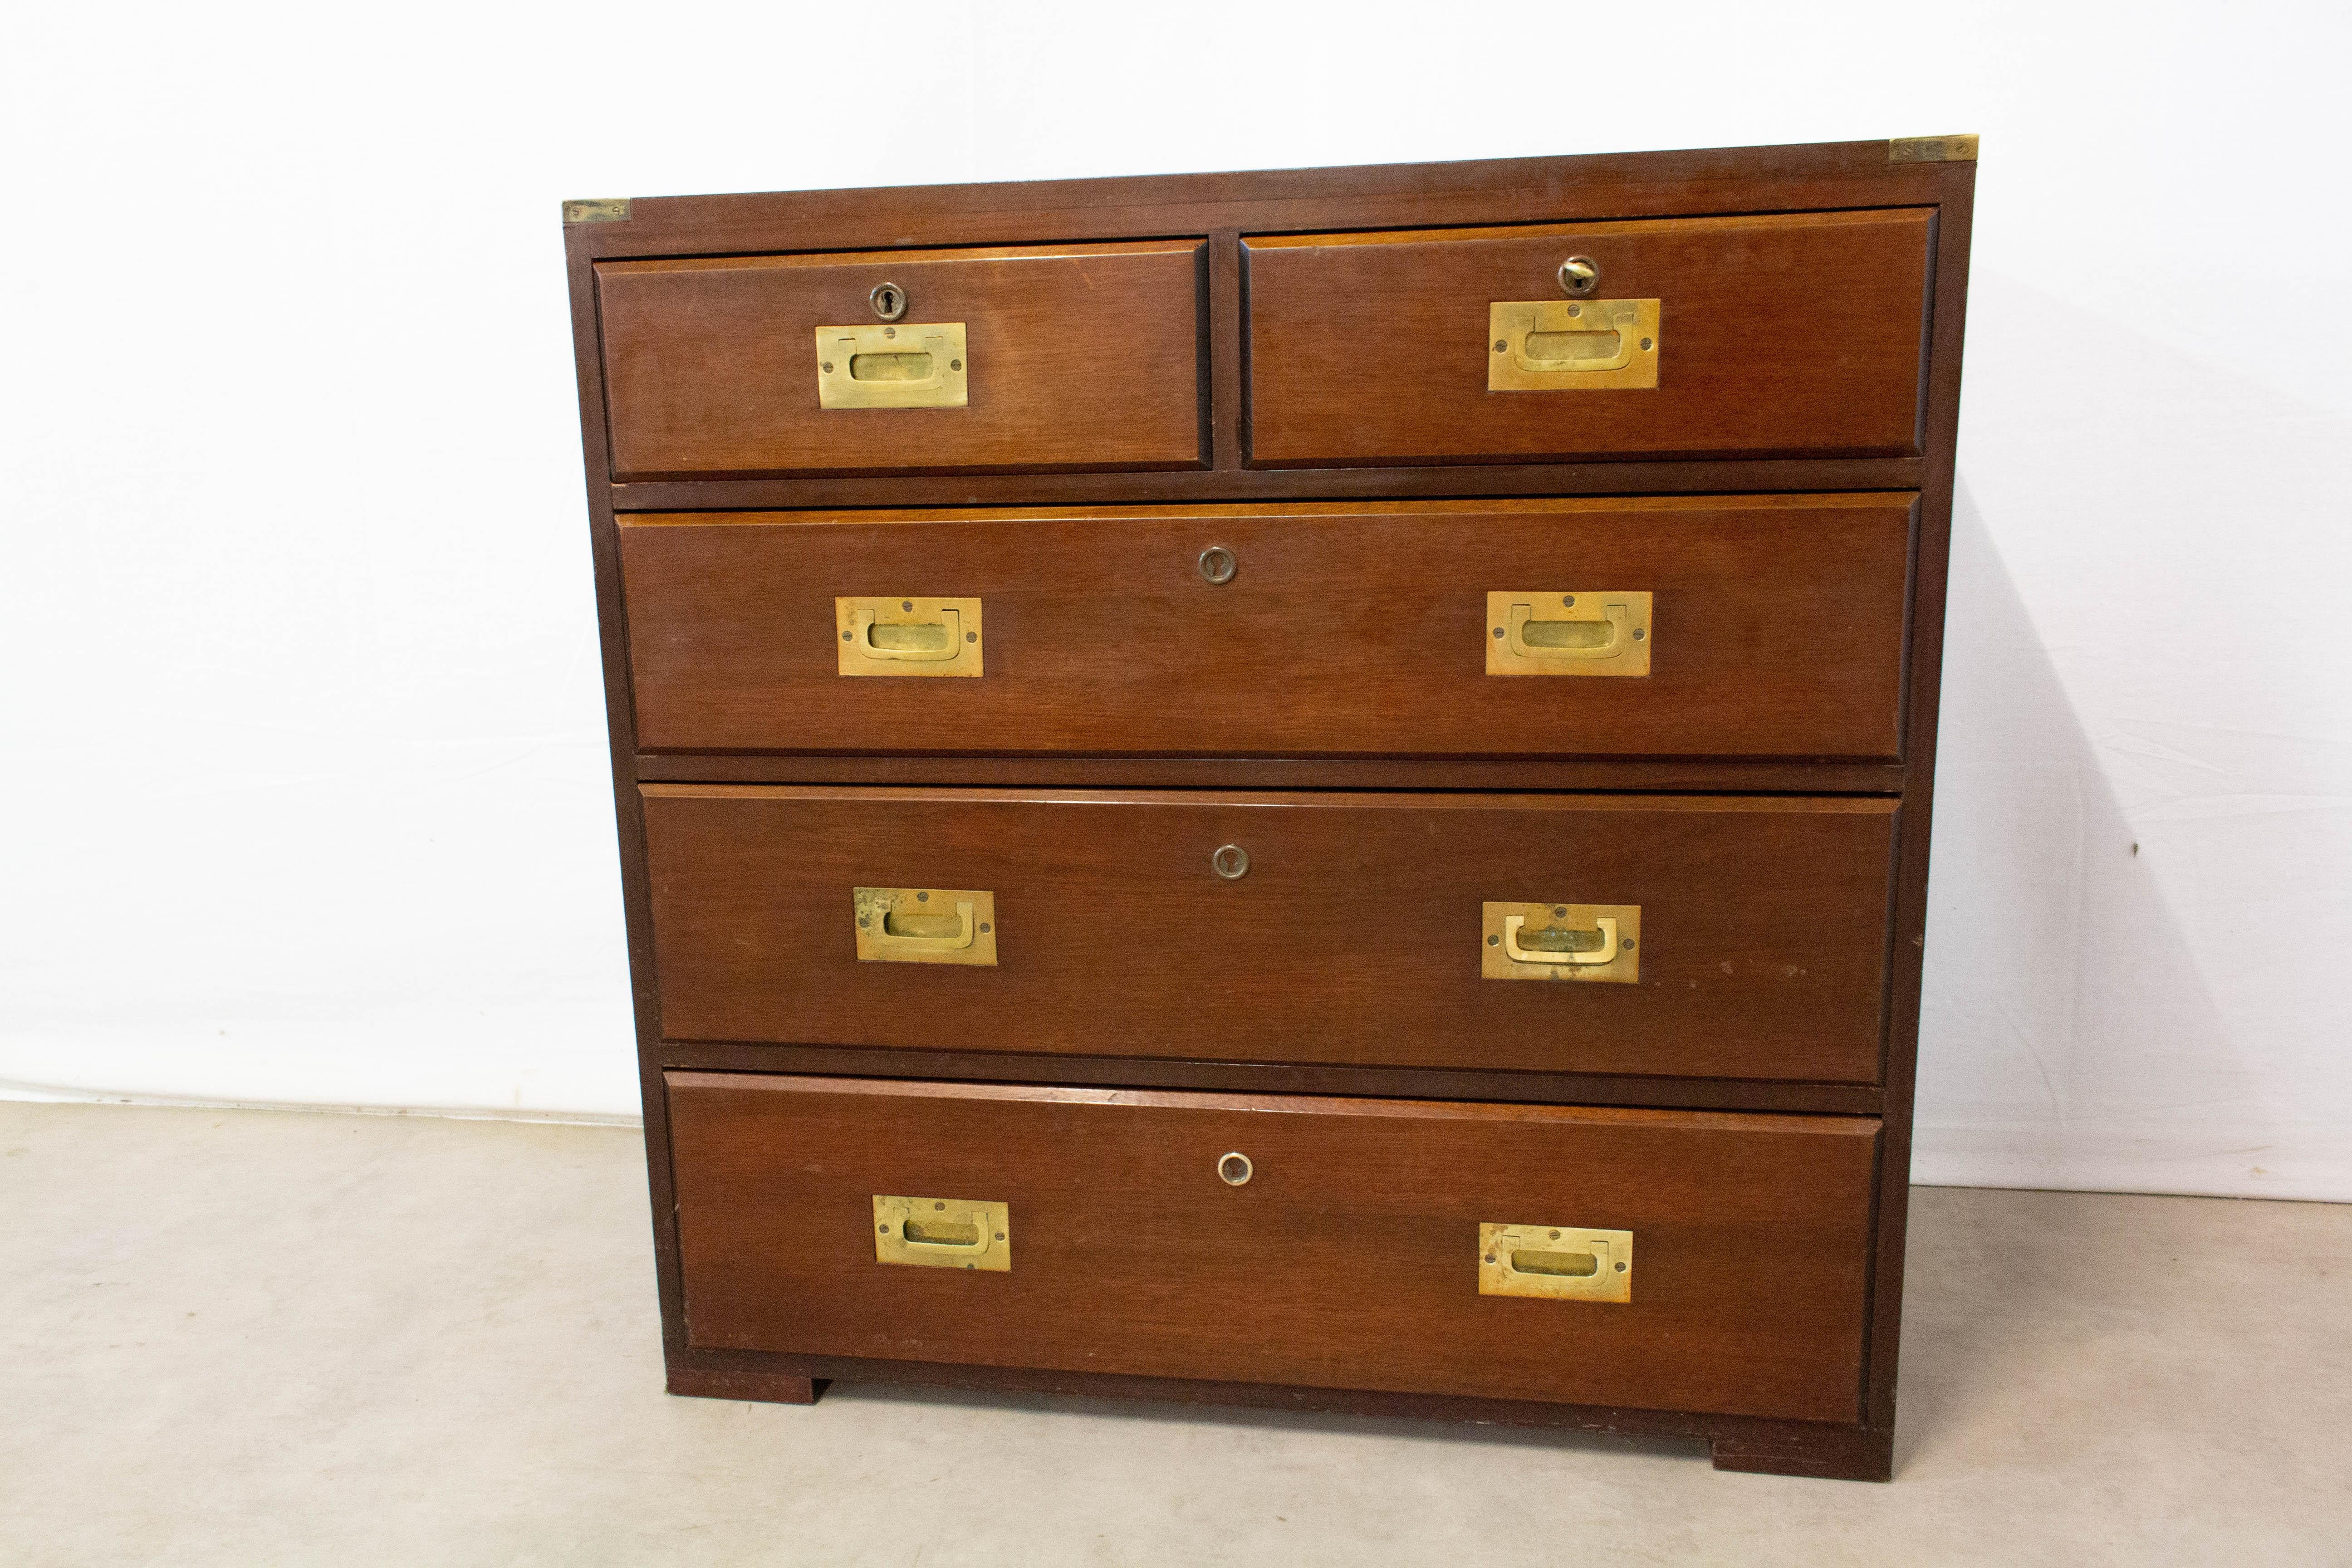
{"type": "Point", "coordinates": [1233, 1170]}
{"type": "Point", "coordinates": [889, 302]}
{"type": "Point", "coordinates": [1218, 563]}
{"type": "Point", "coordinates": [1230, 861]}
{"type": "Point", "coordinates": [1580, 275]}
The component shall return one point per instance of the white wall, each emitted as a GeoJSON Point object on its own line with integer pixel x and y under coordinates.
{"type": "Point", "coordinates": [305, 775]}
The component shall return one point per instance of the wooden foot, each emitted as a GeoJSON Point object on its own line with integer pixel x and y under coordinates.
{"type": "Point", "coordinates": [769, 1387]}
{"type": "Point", "coordinates": [1829, 1453]}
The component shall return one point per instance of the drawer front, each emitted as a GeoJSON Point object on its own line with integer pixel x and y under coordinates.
{"type": "Point", "coordinates": [1061, 358]}
{"type": "Point", "coordinates": [1353, 1256]}
{"type": "Point", "coordinates": [1345, 928]}
{"type": "Point", "coordinates": [1794, 335]}
{"type": "Point", "coordinates": [1771, 627]}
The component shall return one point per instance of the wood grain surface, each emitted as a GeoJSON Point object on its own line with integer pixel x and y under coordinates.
{"type": "Point", "coordinates": [1781, 335]}
{"type": "Point", "coordinates": [1354, 938]}
{"type": "Point", "coordinates": [1081, 357]}
{"type": "Point", "coordinates": [1354, 630]}
{"type": "Point", "coordinates": [1347, 1260]}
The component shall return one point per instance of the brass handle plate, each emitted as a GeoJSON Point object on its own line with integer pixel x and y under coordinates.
{"type": "Point", "coordinates": [913, 365]}
{"type": "Point", "coordinates": [925, 925]}
{"type": "Point", "coordinates": [1569, 631]}
{"type": "Point", "coordinates": [1563, 1262]}
{"type": "Point", "coordinates": [943, 1233]}
{"type": "Point", "coordinates": [1571, 345]}
{"type": "Point", "coordinates": [1560, 942]}
{"type": "Point", "coordinates": [897, 635]}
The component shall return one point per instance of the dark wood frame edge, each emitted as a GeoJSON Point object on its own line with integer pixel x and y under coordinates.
{"type": "Point", "coordinates": [1827, 1450]}
{"type": "Point", "coordinates": [1795, 1097]}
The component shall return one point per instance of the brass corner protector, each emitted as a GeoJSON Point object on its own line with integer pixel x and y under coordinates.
{"type": "Point", "coordinates": [607, 209]}
{"type": "Point", "coordinates": [1932, 150]}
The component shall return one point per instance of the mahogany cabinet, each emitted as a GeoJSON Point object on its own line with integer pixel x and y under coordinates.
{"type": "Point", "coordinates": [1305, 788]}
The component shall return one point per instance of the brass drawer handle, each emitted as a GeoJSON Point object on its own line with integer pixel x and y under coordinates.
{"type": "Point", "coordinates": [1579, 631]}
{"type": "Point", "coordinates": [1560, 942]}
{"type": "Point", "coordinates": [1563, 1262]}
{"type": "Point", "coordinates": [910, 365]}
{"type": "Point", "coordinates": [921, 642]}
{"type": "Point", "coordinates": [925, 925]}
{"type": "Point", "coordinates": [886, 634]}
{"type": "Point", "coordinates": [943, 1233]}
{"type": "Point", "coordinates": [1602, 951]}
{"type": "Point", "coordinates": [1571, 345]}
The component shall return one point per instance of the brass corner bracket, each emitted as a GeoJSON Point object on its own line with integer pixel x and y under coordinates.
{"type": "Point", "coordinates": [606, 209]}
{"type": "Point", "coordinates": [1932, 150]}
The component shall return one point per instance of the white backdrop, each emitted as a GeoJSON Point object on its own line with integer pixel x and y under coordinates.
{"type": "Point", "coordinates": [306, 787]}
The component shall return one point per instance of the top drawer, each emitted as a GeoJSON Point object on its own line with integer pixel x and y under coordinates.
{"type": "Point", "coordinates": [1801, 334]}
{"type": "Point", "coordinates": [1068, 357]}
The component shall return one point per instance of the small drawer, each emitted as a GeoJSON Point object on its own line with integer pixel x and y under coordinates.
{"type": "Point", "coordinates": [1722, 627]}
{"type": "Point", "coordinates": [1675, 936]}
{"type": "Point", "coordinates": [1026, 359]}
{"type": "Point", "coordinates": [1793, 335]}
{"type": "Point", "coordinates": [1643, 1259]}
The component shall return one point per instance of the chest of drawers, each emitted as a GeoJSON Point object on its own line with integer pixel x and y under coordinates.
{"type": "Point", "coordinates": [1305, 789]}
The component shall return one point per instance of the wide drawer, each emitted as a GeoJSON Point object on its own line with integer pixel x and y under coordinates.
{"type": "Point", "coordinates": [1029, 359]}
{"type": "Point", "coordinates": [1098, 1230]}
{"type": "Point", "coordinates": [1745, 937]}
{"type": "Point", "coordinates": [1798, 334]}
{"type": "Point", "coordinates": [1769, 626]}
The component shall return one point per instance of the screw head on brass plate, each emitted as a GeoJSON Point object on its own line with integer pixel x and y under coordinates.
{"type": "Point", "coordinates": [1230, 861]}
{"type": "Point", "coordinates": [1580, 275]}
{"type": "Point", "coordinates": [889, 302]}
{"type": "Point", "coordinates": [1234, 1170]}
{"type": "Point", "coordinates": [1218, 563]}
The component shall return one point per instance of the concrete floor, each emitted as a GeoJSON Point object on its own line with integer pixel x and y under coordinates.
{"type": "Point", "coordinates": [260, 1338]}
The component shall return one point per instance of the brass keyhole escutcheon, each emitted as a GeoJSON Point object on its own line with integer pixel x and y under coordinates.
{"type": "Point", "coordinates": [1234, 1170]}
{"type": "Point", "coordinates": [1230, 861]}
{"type": "Point", "coordinates": [1218, 563]}
{"type": "Point", "coordinates": [1580, 275]}
{"type": "Point", "coordinates": [889, 302]}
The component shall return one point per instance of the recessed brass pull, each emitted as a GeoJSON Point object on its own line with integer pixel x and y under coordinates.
{"type": "Point", "coordinates": [911, 364]}
{"type": "Point", "coordinates": [1560, 942]}
{"type": "Point", "coordinates": [1571, 345]}
{"type": "Point", "coordinates": [1563, 1262]}
{"type": "Point", "coordinates": [889, 636]}
{"type": "Point", "coordinates": [891, 367]}
{"type": "Point", "coordinates": [925, 925]}
{"type": "Point", "coordinates": [943, 1233]}
{"type": "Point", "coordinates": [1562, 946]}
{"type": "Point", "coordinates": [1581, 631]}
{"type": "Point", "coordinates": [1565, 351]}
{"type": "Point", "coordinates": [924, 641]}
{"type": "Point", "coordinates": [1567, 1264]}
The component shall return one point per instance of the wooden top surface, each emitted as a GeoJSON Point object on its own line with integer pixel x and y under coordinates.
{"type": "Point", "coordinates": [1819, 176]}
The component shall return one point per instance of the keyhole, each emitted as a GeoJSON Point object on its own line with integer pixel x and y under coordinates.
{"type": "Point", "coordinates": [889, 302]}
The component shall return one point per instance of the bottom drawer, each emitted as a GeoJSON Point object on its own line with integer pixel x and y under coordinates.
{"type": "Point", "coordinates": [1353, 1253]}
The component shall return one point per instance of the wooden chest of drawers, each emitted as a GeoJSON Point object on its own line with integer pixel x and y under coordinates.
{"type": "Point", "coordinates": [1303, 788]}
